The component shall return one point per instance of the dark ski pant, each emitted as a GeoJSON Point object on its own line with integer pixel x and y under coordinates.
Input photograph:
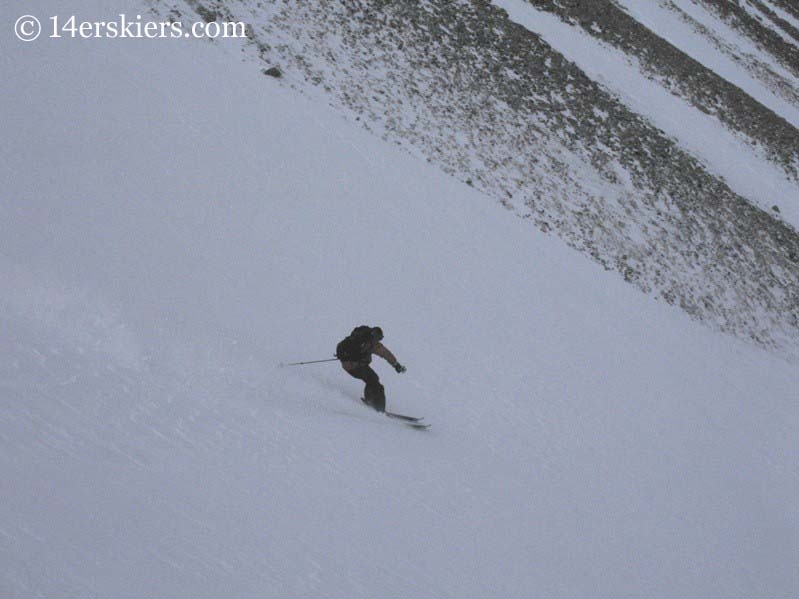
{"type": "Point", "coordinates": [374, 393]}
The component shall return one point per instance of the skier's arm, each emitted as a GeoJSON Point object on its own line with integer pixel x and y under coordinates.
{"type": "Point", "coordinates": [382, 351]}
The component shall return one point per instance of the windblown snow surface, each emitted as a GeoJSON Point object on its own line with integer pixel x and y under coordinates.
{"type": "Point", "coordinates": [173, 228]}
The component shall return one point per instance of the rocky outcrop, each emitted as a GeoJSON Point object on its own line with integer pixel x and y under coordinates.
{"type": "Point", "coordinates": [491, 103]}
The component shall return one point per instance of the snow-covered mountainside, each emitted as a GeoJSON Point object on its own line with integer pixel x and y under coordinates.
{"type": "Point", "coordinates": [658, 137]}
{"type": "Point", "coordinates": [175, 225]}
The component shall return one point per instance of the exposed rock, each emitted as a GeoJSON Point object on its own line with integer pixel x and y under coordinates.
{"type": "Point", "coordinates": [491, 103]}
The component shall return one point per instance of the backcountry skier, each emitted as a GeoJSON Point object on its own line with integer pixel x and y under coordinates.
{"type": "Point", "coordinates": [355, 353]}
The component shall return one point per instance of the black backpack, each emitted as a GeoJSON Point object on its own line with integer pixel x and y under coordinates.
{"type": "Point", "coordinates": [357, 346]}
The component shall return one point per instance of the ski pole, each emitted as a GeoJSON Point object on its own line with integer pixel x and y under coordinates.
{"type": "Point", "coordinates": [311, 362]}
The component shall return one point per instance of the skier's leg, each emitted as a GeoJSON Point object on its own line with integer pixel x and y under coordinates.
{"type": "Point", "coordinates": [374, 393]}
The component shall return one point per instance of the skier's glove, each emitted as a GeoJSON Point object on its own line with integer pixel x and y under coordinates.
{"type": "Point", "coordinates": [399, 367]}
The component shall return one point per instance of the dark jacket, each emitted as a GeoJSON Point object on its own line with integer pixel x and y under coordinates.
{"type": "Point", "coordinates": [377, 349]}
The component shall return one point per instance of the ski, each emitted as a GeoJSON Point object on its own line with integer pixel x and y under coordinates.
{"type": "Point", "coordinates": [417, 425]}
{"type": "Point", "coordinates": [420, 426]}
{"type": "Point", "coordinates": [403, 417]}
{"type": "Point", "coordinates": [411, 421]}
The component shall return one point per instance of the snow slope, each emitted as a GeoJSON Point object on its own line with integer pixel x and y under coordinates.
{"type": "Point", "coordinates": [173, 228]}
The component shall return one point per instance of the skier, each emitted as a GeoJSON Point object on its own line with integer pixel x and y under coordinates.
{"type": "Point", "coordinates": [355, 353]}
